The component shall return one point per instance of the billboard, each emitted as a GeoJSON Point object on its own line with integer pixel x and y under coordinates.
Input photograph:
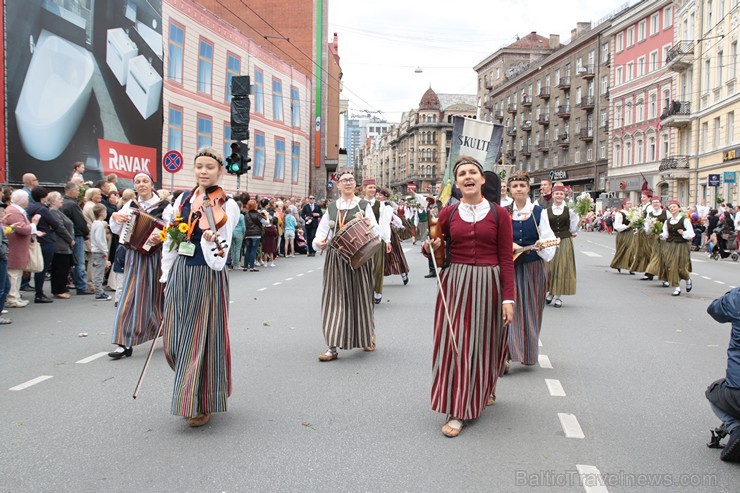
{"type": "Point", "coordinates": [84, 83]}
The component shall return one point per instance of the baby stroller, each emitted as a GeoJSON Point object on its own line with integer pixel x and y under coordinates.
{"type": "Point", "coordinates": [726, 246]}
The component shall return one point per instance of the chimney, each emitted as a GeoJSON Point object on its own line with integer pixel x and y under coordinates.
{"type": "Point", "coordinates": [573, 34]}
{"type": "Point", "coordinates": [583, 27]}
{"type": "Point", "coordinates": [554, 41]}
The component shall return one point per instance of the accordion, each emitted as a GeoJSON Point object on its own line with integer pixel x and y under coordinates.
{"type": "Point", "coordinates": [137, 230]}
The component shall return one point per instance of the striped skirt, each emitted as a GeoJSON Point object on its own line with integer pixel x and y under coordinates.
{"type": "Point", "coordinates": [463, 380]}
{"type": "Point", "coordinates": [641, 251]}
{"type": "Point", "coordinates": [395, 262]}
{"type": "Point", "coordinates": [196, 338]}
{"type": "Point", "coordinates": [656, 267]}
{"type": "Point", "coordinates": [561, 270]}
{"type": "Point", "coordinates": [406, 232]}
{"type": "Point", "coordinates": [677, 261]}
{"type": "Point", "coordinates": [623, 254]}
{"type": "Point", "coordinates": [347, 303]}
{"type": "Point", "coordinates": [530, 279]}
{"type": "Point", "coordinates": [139, 311]}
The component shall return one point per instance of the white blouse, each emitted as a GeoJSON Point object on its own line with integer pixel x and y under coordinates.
{"type": "Point", "coordinates": [326, 232]}
{"type": "Point", "coordinates": [545, 230]}
{"type": "Point", "coordinates": [619, 225]}
{"type": "Point", "coordinates": [688, 229]}
{"type": "Point", "coordinates": [144, 206]}
{"type": "Point", "coordinates": [557, 210]}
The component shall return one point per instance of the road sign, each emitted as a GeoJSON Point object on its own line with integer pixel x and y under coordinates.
{"type": "Point", "coordinates": [329, 185]}
{"type": "Point", "coordinates": [713, 180]}
{"type": "Point", "coordinates": [172, 161]}
{"type": "Point", "coordinates": [728, 177]}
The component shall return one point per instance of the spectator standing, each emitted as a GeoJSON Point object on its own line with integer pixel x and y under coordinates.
{"type": "Point", "coordinates": [4, 282]}
{"type": "Point", "coordinates": [63, 246]}
{"type": "Point", "coordinates": [99, 251]}
{"type": "Point", "coordinates": [311, 214]}
{"type": "Point", "coordinates": [72, 210]}
{"type": "Point", "coordinates": [49, 227]}
{"type": "Point", "coordinates": [19, 244]}
{"type": "Point", "coordinates": [289, 234]}
{"type": "Point", "coordinates": [254, 224]}
{"type": "Point", "coordinates": [29, 183]}
{"type": "Point", "coordinates": [77, 169]}
{"type": "Point", "coordinates": [237, 239]}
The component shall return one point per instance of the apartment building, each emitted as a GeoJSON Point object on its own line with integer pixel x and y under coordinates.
{"type": "Point", "coordinates": [641, 147]}
{"type": "Point", "coordinates": [706, 157]}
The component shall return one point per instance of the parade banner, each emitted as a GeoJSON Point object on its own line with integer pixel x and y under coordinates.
{"type": "Point", "coordinates": [481, 140]}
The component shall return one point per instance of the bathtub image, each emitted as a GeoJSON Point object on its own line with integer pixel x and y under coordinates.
{"type": "Point", "coordinates": [54, 96]}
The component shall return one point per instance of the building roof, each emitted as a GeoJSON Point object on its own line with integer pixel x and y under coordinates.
{"type": "Point", "coordinates": [429, 101]}
{"type": "Point", "coordinates": [532, 41]}
{"type": "Point", "coordinates": [447, 100]}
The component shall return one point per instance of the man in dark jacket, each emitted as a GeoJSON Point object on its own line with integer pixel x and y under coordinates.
{"type": "Point", "coordinates": [72, 210]}
{"type": "Point", "coordinates": [724, 394]}
{"type": "Point", "coordinates": [311, 214]}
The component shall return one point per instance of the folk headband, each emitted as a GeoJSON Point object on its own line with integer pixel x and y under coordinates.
{"type": "Point", "coordinates": [466, 161]}
{"type": "Point", "coordinates": [144, 173]}
{"type": "Point", "coordinates": [519, 176]}
{"type": "Point", "coordinates": [210, 155]}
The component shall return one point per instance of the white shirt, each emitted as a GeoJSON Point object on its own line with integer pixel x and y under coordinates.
{"type": "Point", "coordinates": [144, 206]}
{"type": "Point", "coordinates": [688, 230]}
{"type": "Point", "coordinates": [574, 218]}
{"type": "Point", "coordinates": [325, 231]}
{"type": "Point", "coordinates": [505, 201]}
{"type": "Point", "coordinates": [619, 225]}
{"type": "Point", "coordinates": [224, 232]}
{"type": "Point", "coordinates": [545, 230]}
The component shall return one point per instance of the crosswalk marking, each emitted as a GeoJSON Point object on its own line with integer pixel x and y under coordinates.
{"type": "Point", "coordinates": [36, 380]}
{"type": "Point", "coordinates": [93, 357]}
{"type": "Point", "coordinates": [591, 254]}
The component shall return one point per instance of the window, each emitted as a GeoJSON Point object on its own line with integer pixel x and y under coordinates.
{"type": "Point", "coordinates": [639, 110]}
{"type": "Point", "coordinates": [589, 154]}
{"type": "Point", "coordinates": [602, 118]}
{"type": "Point", "coordinates": [665, 146]}
{"type": "Point", "coordinates": [629, 74]}
{"type": "Point", "coordinates": [641, 66]}
{"type": "Point", "coordinates": [640, 152]}
{"type": "Point", "coordinates": [577, 157]}
{"type": "Point", "coordinates": [295, 161]}
{"type": "Point", "coordinates": [258, 169]}
{"type": "Point", "coordinates": [227, 140]}
{"type": "Point", "coordinates": [717, 141]}
{"type": "Point", "coordinates": [277, 99]}
{"type": "Point", "coordinates": [205, 66]}
{"type": "Point", "coordinates": [259, 91]}
{"type": "Point", "coordinates": [709, 15]}
{"type": "Point", "coordinates": [651, 149]}
{"type": "Point", "coordinates": [732, 69]}
{"type": "Point", "coordinates": [666, 49]}
{"type": "Point", "coordinates": [653, 106]}
{"type": "Point", "coordinates": [630, 37]}
{"type": "Point", "coordinates": [704, 136]}
{"type": "Point", "coordinates": [233, 68]}
{"type": "Point", "coordinates": [174, 129]}
{"type": "Point", "coordinates": [617, 116]}
{"type": "Point", "coordinates": [605, 52]}
{"type": "Point", "coordinates": [653, 65]}
{"type": "Point", "coordinates": [641, 31]}
{"type": "Point", "coordinates": [205, 131]}
{"type": "Point", "coordinates": [654, 24]}
{"type": "Point", "coordinates": [619, 75]}
{"type": "Point", "coordinates": [295, 107]}
{"type": "Point", "coordinates": [602, 150]}
{"type": "Point", "coordinates": [720, 66]}
{"type": "Point", "coordinates": [617, 155]}
{"type": "Point", "coordinates": [667, 17]}
{"type": "Point", "coordinates": [620, 42]}
{"type": "Point", "coordinates": [707, 73]}
{"type": "Point", "coordinates": [627, 154]}
{"type": "Point", "coordinates": [628, 114]}
{"type": "Point", "coordinates": [604, 84]}
{"type": "Point", "coordinates": [176, 44]}
{"type": "Point", "coordinates": [279, 159]}
{"type": "Point", "coordinates": [730, 128]}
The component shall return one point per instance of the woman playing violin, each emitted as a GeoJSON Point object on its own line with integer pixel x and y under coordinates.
{"type": "Point", "coordinates": [478, 289]}
{"type": "Point", "coordinates": [196, 298]}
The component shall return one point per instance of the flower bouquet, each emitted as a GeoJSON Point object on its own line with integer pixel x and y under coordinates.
{"type": "Point", "coordinates": [583, 204]}
{"type": "Point", "coordinates": [636, 218]}
{"type": "Point", "coordinates": [176, 230]}
{"type": "Point", "coordinates": [653, 227]}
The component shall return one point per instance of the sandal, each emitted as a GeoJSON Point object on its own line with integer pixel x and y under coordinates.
{"type": "Point", "coordinates": [453, 427]}
{"type": "Point", "coordinates": [372, 345]}
{"type": "Point", "coordinates": [329, 355]}
{"type": "Point", "coordinates": [199, 420]}
{"type": "Point", "coordinates": [507, 366]}
{"type": "Point", "coordinates": [491, 399]}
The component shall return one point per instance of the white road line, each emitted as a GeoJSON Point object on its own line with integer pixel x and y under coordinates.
{"type": "Point", "coordinates": [555, 387]}
{"type": "Point", "coordinates": [261, 289]}
{"type": "Point", "coordinates": [707, 278]}
{"type": "Point", "coordinates": [310, 271]}
{"type": "Point", "coordinates": [591, 479]}
{"type": "Point", "coordinates": [91, 358]}
{"type": "Point", "coordinates": [544, 361]}
{"type": "Point", "coordinates": [288, 278]}
{"type": "Point", "coordinates": [299, 275]}
{"type": "Point", "coordinates": [406, 250]}
{"type": "Point", "coordinates": [719, 282]}
{"type": "Point", "coordinates": [570, 426]}
{"type": "Point", "coordinates": [276, 283]}
{"type": "Point", "coordinates": [31, 382]}
{"type": "Point", "coordinates": [591, 254]}
{"type": "Point", "coordinates": [732, 287]}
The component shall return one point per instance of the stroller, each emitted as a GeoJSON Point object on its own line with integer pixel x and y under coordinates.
{"type": "Point", "coordinates": [725, 245]}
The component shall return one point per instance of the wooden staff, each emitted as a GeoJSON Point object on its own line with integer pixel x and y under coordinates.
{"type": "Point", "coordinates": [148, 359]}
{"type": "Point", "coordinates": [453, 337]}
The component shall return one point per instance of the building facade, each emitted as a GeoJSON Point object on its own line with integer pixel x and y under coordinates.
{"type": "Point", "coordinates": [204, 52]}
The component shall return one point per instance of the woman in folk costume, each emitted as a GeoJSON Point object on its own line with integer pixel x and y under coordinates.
{"type": "Point", "coordinates": [677, 233]}
{"type": "Point", "coordinates": [395, 263]}
{"type": "Point", "coordinates": [641, 246]}
{"type": "Point", "coordinates": [623, 255]}
{"type": "Point", "coordinates": [196, 299]}
{"type": "Point", "coordinates": [347, 312]}
{"type": "Point", "coordinates": [531, 226]}
{"type": "Point", "coordinates": [655, 266]}
{"type": "Point", "coordinates": [561, 271]}
{"type": "Point", "coordinates": [139, 311]}
{"type": "Point", "coordinates": [478, 288]}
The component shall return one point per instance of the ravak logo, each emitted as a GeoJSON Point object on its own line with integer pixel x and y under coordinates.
{"type": "Point", "coordinates": [125, 160]}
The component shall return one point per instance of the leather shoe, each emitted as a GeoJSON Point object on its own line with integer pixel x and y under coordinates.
{"type": "Point", "coordinates": [43, 299]}
{"type": "Point", "coordinates": [329, 356]}
{"type": "Point", "coordinates": [430, 275]}
{"type": "Point", "coordinates": [199, 420]}
{"type": "Point", "coordinates": [118, 354]}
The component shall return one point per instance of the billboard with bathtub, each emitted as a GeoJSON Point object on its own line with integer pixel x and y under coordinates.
{"type": "Point", "coordinates": [84, 83]}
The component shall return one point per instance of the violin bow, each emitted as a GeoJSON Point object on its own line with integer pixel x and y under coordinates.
{"type": "Point", "coordinates": [148, 359]}
{"type": "Point", "coordinates": [453, 337]}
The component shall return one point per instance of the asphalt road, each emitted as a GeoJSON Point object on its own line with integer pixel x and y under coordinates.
{"type": "Point", "coordinates": [618, 396]}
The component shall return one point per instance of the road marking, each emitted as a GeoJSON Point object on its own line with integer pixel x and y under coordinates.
{"type": "Point", "coordinates": [555, 387]}
{"type": "Point", "coordinates": [31, 382]}
{"type": "Point", "coordinates": [310, 271]}
{"type": "Point", "coordinates": [570, 426]}
{"type": "Point", "coordinates": [707, 278]}
{"type": "Point", "coordinates": [591, 479]}
{"type": "Point", "coordinates": [544, 361]}
{"type": "Point", "coordinates": [93, 357]}
{"type": "Point", "coordinates": [288, 278]}
{"type": "Point", "coordinates": [276, 283]}
{"type": "Point", "coordinates": [732, 287]}
{"type": "Point", "coordinates": [539, 342]}
{"type": "Point", "coordinates": [261, 289]}
{"type": "Point", "coordinates": [719, 282]}
{"type": "Point", "coordinates": [299, 275]}
{"type": "Point", "coordinates": [406, 250]}
{"type": "Point", "coordinates": [591, 254]}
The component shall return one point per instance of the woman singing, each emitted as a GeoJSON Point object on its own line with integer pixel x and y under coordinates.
{"type": "Point", "coordinates": [196, 299]}
{"type": "Point", "coordinates": [139, 311]}
{"type": "Point", "coordinates": [478, 287]}
{"type": "Point", "coordinates": [530, 225]}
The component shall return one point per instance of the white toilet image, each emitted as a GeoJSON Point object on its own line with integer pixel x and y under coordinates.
{"type": "Point", "coordinates": [54, 96]}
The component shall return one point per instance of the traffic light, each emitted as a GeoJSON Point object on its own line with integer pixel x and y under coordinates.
{"type": "Point", "coordinates": [234, 161]}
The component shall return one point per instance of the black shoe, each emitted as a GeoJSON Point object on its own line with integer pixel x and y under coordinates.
{"type": "Point", "coordinates": [717, 435]}
{"type": "Point", "coordinates": [646, 277]}
{"type": "Point", "coordinates": [430, 275]}
{"type": "Point", "coordinates": [121, 352]}
{"type": "Point", "coordinates": [28, 289]}
{"type": "Point", "coordinates": [731, 452]}
{"type": "Point", "coordinates": [619, 270]}
{"type": "Point", "coordinates": [405, 278]}
{"type": "Point", "coordinates": [43, 299]}
{"type": "Point", "coordinates": [632, 273]}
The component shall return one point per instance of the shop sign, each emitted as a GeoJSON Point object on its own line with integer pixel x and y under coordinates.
{"type": "Point", "coordinates": [728, 177]}
{"type": "Point", "coordinates": [558, 175]}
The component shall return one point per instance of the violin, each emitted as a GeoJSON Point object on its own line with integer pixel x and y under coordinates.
{"type": "Point", "coordinates": [209, 207]}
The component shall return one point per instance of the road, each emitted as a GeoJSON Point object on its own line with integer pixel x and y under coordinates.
{"type": "Point", "coordinates": [616, 404]}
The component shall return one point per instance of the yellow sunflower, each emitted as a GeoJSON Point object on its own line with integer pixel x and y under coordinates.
{"type": "Point", "coordinates": [183, 228]}
{"type": "Point", "coordinates": [163, 235]}
{"type": "Point", "coordinates": [178, 219]}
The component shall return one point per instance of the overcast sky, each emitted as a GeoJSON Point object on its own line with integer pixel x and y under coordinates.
{"type": "Point", "coordinates": [383, 41]}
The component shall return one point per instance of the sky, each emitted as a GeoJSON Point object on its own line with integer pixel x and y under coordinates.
{"type": "Point", "coordinates": [382, 42]}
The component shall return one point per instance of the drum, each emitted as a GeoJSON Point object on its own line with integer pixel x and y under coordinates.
{"type": "Point", "coordinates": [356, 242]}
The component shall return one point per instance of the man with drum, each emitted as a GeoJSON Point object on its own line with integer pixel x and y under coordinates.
{"type": "Point", "coordinates": [383, 214]}
{"type": "Point", "coordinates": [346, 303]}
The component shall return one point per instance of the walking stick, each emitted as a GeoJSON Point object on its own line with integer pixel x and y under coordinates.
{"type": "Point", "coordinates": [148, 359]}
{"type": "Point", "coordinates": [442, 295]}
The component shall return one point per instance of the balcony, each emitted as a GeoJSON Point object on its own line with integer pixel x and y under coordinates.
{"type": "Point", "coordinates": [564, 83]}
{"type": "Point", "coordinates": [543, 146]}
{"type": "Point", "coordinates": [488, 105]}
{"type": "Point", "coordinates": [511, 131]}
{"type": "Point", "coordinates": [511, 108]}
{"type": "Point", "coordinates": [607, 59]}
{"type": "Point", "coordinates": [526, 126]}
{"type": "Point", "coordinates": [526, 102]}
{"type": "Point", "coordinates": [499, 115]}
{"type": "Point", "coordinates": [605, 126]}
{"type": "Point", "coordinates": [544, 93]}
{"type": "Point", "coordinates": [526, 151]}
{"type": "Point", "coordinates": [586, 134]}
{"type": "Point", "coordinates": [586, 103]}
{"type": "Point", "coordinates": [677, 115]}
{"type": "Point", "coordinates": [674, 167]}
{"type": "Point", "coordinates": [489, 84]}
{"type": "Point", "coordinates": [544, 120]}
{"type": "Point", "coordinates": [587, 72]}
{"type": "Point", "coordinates": [563, 111]}
{"type": "Point", "coordinates": [681, 56]}
{"type": "Point", "coordinates": [510, 155]}
{"type": "Point", "coordinates": [563, 141]}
